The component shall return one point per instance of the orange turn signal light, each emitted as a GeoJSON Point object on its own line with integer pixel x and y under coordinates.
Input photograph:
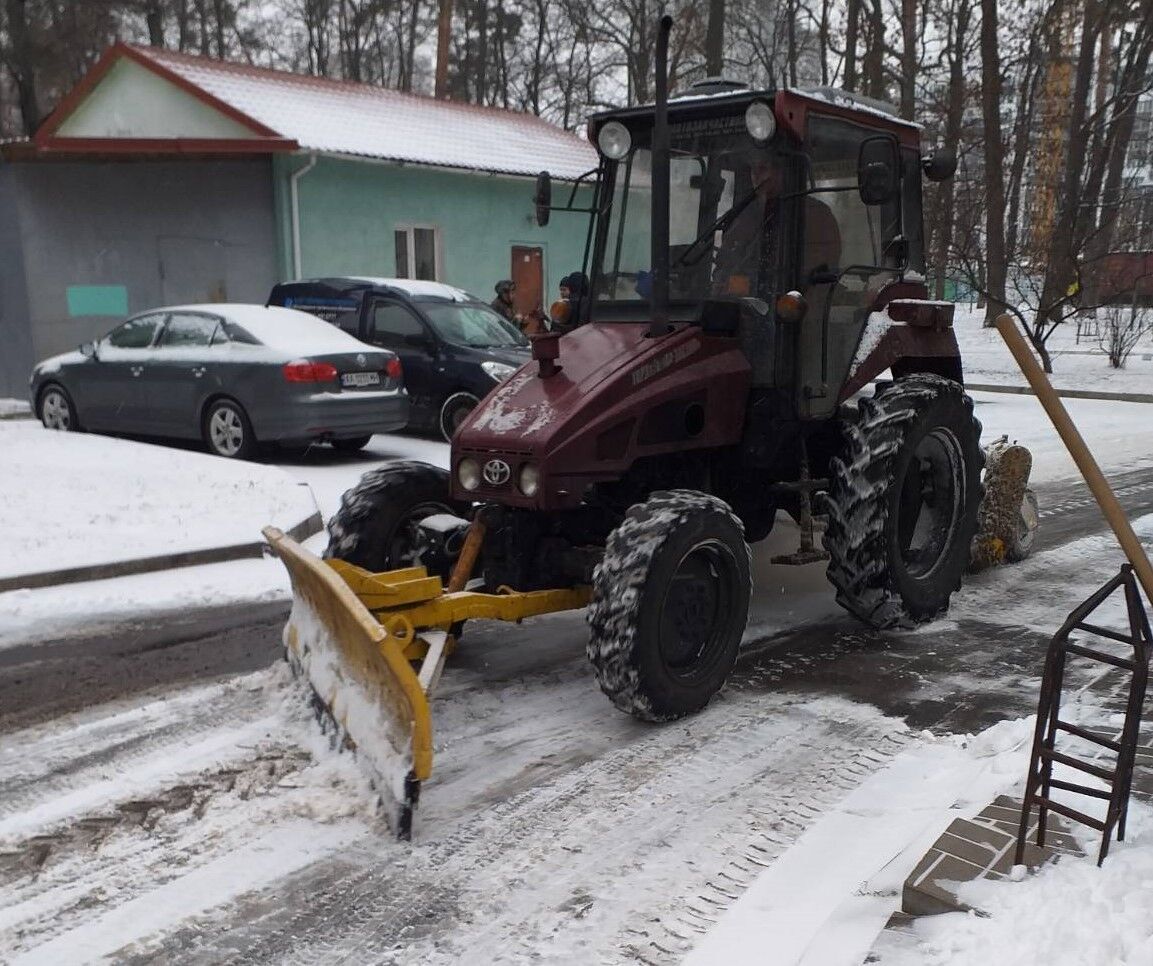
{"type": "Point", "coordinates": [791, 307]}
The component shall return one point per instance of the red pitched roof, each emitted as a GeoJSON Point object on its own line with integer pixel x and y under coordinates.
{"type": "Point", "coordinates": [285, 110]}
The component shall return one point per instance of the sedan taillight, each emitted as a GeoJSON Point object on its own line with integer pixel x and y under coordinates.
{"type": "Point", "coordinates": [393, 369]}
{"type": "Point", "coordinates": [304, 371]}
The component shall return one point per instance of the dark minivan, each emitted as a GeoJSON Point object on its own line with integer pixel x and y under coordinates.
{"type": "Point", "coordinates": [454, 348]}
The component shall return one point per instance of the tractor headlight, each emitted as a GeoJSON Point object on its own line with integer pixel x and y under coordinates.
{"type": "Point", "coordinates": [498, 370]}
{"type": "Point", "coordinates": [468, 474]}
{"type": "Point", "coordinates": [614, 140]}
{"type": "Point", "coordinates": [760, 122]}
{"type": "Point", "coordinates": [529, 481]}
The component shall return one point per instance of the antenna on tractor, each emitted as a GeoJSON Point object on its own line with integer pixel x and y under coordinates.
{"type": "Point", "coordinates": [659, 303]}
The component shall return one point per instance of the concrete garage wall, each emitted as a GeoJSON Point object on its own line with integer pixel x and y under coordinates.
{"type": "Point", "coordinates": [102, 239]}
{"type": "Point", "coordinates": [349, 210]}
{"type": "Point", "coordinates": [16, 351]}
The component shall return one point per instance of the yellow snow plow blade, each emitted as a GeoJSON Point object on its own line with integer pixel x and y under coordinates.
{"type": "Point", "coordinates": [372, 647]}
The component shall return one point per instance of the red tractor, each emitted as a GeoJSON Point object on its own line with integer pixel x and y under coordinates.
{"type": "Point", "coordinates": [754, 260]}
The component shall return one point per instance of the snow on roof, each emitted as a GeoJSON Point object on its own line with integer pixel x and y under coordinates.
{"type": "Point", "coordinates": [278, 328]}
{"type": "Point", "coordinates": [361, 119]}
{"type": "Point", "coordinates": [417, 287]}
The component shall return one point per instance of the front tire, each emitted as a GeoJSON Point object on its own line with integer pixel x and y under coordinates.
{"type": "Point", "coordinates": [56, 409]}
{"type": "Point", "coordinates": [375, 527]}
{"type": "Point", "coordinates": [669, 605]}
{"type": "Point", "coordinates": [903, 502]}
{"type": "Point", "coordinates": [228, 432]}
{"type": "Point", "coordinates": [454, 412]}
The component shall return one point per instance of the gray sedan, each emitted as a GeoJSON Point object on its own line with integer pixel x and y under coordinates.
{"type": "Point", "coordinates": [231, 375]}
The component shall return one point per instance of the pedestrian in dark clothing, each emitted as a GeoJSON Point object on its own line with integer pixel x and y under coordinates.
{"type": "Point", "coordinates": [565, 312]}
{"type": "Point", "coordinates": [502, 304]}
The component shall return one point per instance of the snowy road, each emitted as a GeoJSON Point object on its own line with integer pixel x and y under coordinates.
{"type": "Point", "coordinates": [210, 825]}
{"type": "Point", "coordinates": [166, 797]}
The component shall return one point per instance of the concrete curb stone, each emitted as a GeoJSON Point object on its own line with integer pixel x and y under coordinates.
{"type": "Point", "coordinates": [1140, 397]}
{"type": "Point", "coordinates": [142, 565]}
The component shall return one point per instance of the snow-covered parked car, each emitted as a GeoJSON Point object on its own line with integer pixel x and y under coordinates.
{"type": "Point", "coordinates": [231, 375]}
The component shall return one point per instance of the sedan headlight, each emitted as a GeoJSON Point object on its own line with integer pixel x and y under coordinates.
{"type": "Point", "coordinates": [529, 481]}
{"type": "Point", "coordinates": [468, 474]}
{"type": "Point", "coordinates": [498, 370]}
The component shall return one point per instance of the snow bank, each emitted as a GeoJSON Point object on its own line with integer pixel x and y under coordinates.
{"type": "Point", "coordinates": [1066, 914]}
{"type": "Point", "coordinates": [12, 407]}
{"type": "Point", "coordinates": [72, 499]}
{"type": "Point", "coordinates": [1076, 365]}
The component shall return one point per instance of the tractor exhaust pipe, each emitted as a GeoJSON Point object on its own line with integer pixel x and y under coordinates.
{"type": "Point", "coordinates": [659, 304]}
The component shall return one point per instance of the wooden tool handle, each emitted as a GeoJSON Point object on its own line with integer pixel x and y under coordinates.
{"type": "Point", "coordinates": [1074, 442]}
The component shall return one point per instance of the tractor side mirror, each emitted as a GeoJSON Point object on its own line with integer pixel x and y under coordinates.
{"type": "Point", "coordinates": [878, 170]}
{"type": "Point", "coordinates": [940, 165]}
{"type": "Point", "coordinates": [542, 198]}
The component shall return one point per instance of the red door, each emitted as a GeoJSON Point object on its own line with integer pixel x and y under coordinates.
{"type": "Point", "coordinates": [528, 276]}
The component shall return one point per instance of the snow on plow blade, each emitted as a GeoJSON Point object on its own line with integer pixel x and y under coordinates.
{"type": "Point", "coordinates": [355, 636]}
{"type": "Point", "coordinates": [361, 679]}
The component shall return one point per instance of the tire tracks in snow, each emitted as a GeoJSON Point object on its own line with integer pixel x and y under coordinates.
{"type": "Point", "coordinates": [581, 867]}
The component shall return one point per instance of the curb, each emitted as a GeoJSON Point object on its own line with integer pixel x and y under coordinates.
{"type": "Point", "coordinates": [1138, 397]}
{"type": "Point", "coordinates": [143, 565]}
{"type": "Point", "coordinates": [17, 415]}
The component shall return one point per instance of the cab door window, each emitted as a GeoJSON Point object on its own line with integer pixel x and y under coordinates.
{"type": "Point", "coordinates": [393, 325]}
{"type": "Point", "coordinates": [841, 233]}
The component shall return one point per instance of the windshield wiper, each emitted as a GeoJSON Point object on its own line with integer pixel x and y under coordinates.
{"type": "Point", "coordinates": [721, 224]}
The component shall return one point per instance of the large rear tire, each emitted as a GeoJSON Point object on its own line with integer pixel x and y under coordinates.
{"type": "Point", "coordinates": [903, 502]}
{"type": "Point", "coordinates": [375, 527]}
{"type": "Point", "coordinates": [669, 606]}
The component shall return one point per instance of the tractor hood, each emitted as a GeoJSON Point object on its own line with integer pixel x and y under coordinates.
{"type": "Point", "coordinates": [618, 395]}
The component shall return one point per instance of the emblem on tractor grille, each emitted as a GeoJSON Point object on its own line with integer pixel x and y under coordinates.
{"type": "Point", "coordinates": [496, 472]}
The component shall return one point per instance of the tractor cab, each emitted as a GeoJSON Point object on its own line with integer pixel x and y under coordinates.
{"type": "Point", "coordinates": [790, 213]}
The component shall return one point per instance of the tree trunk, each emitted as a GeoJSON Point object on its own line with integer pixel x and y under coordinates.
{"type": "Point", "coordinates": [996, 269]}
{"type": "Point", "coordinates": [874, 62]}
{"type": "Point", "coordinates": [791, 40]}
{"type": "Point", "coordinates": [715, 39]}
{"type": "Point", "coordinates": [482, 51]}
{"type": "Point", "coordinates": [823, 42]}
{"type": "Point", "coordinates": [22, 64]}
{"type": "Point", "coordinates": [410, 45]}
{"type": "Point", "coordinates": [1060, 265]}
{"type": "Point", "coordinates": [909, 58]}
{"type": "Point", "coordinates": [154, 20]}
{"type": "Point", "coordinates": [443, 33]}
{"type": "Point", "coordinates": [954, 116]}
{"type": "Point", "coordinates": [852, 19]}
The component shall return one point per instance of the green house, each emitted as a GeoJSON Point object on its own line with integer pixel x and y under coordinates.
{"type": "Point", "coordinates": [166, 178]}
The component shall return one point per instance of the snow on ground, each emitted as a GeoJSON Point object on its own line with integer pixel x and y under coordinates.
{"type": "Point", "coordinates": [217, 790]}
{"type": "Point", "coordinates": [30, 616]}
{"type": "Point", "coordinates": [233, 785]}
{"type": "Point", "coordinates": [824, 901]}
{"type": "Point", "coordinates": [71, 499]}
{"type": "Point", "coordinates": [1119, 433]}
{"type": "Point", "coordinates": [13, 407]}
{"type": "Point", "coordinates": [1076, 365]}
{"type": "Point", "coordinates": [1068, 914]}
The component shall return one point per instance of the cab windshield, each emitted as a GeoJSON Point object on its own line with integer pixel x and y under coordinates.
{"type": "Point", "coordinates": [723, 215]}
{"type": "Point", "coordinates": [476, 326]}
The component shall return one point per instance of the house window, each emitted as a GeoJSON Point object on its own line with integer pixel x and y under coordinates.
{"type": "Point", "coordinates": [417, 248]}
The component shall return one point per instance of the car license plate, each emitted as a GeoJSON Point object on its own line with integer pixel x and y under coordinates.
{"type": "Point", "coordinates": [360, 379]}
